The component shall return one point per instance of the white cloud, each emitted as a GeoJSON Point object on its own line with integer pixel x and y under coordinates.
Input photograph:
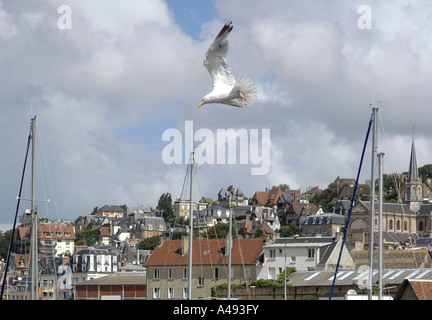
{"type": "Point", "coordinates": [105, 91]}
{"type": "Point", "coordinates": [7, 29]}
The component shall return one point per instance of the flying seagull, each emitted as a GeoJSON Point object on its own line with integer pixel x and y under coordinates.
{"type": "Point", "coordinates": [227, 89]}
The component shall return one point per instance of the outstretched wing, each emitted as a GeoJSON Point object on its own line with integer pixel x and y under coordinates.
{"type": "Point", "coordinates": [215, 58]}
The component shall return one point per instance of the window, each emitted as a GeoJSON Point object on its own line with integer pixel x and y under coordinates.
{"type": "Point", "coordinates": [185, 293]}
{"type": "Point", "coordinates": [170, 274]}
{"type": "Point", "coordinates": [420, 228]}
{"type": "Point", "coordinates": [156, 274]}
{"type": "Point", "coordinates": [185, 273]}
{"type": "Point", "coordinates": [200, 281]}
{"type": "Point", "coordinates": [405, 226]}
{"type": "Point", "coordinates": [170, 293]}
{"type": "Point", "coordinates": [272, 253]}
{"type": "Point", "coordinates": [247, 273]}
{"type": "Point", "coordinates": [293, 259]}
{"type": "Point", "coordinates": [272, 273]}
{"type": "Point", "coordinates": [398, 225]}
{"type": "Point", "coordinates": [311, 253]}
{"type": "Point", "coordinates": [156, 293]}
{"type": "Point", "coordinates": [216, 273]}
{"type": "Point", "coordinates": [391, 225]}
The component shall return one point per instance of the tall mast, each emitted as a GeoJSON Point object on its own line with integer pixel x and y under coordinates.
{"type": "Point", "coordinates": [372, 203]}
{"type": "Point", "coordinates": [380, 251]}
{"type": "Point", "coordinates": [229, 248]}
{"type": "Point", "coordinates": [33, 245]}
{"type": "Point", "coordinates": [192, 160]}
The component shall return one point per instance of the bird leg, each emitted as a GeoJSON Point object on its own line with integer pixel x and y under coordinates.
{"type": "Point", "coordinates": [243, 99]}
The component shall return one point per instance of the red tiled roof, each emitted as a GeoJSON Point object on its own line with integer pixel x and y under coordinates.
{"type": "Point", "coordinates": [268, 198]}
{"type": "Point", "coordinates": [422, 289]}
{"type": "Point", "coordinates": [207, 252]}
{"type": "Point", "coordinates": [56, 230]}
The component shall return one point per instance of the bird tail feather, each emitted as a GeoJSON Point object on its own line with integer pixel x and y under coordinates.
{"type": "Point", "coordinates": [247, 89]}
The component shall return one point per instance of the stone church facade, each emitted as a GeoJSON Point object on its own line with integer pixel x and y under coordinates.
{"type": "Point", "coordinates": [401, 222]}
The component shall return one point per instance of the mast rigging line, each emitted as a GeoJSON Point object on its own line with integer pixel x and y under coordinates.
{"type": "Point", "coordinates": [16, 211]}
{"type": "Point", "coordinates": [351, 207]}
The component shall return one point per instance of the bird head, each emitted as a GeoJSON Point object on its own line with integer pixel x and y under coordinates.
{"type": "Point", "coordinates": [203, 101]}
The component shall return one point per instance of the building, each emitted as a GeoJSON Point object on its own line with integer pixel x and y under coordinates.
{"type": "Point", "coordinates": [397, 217]}
{"type": "Point", "coordinates": [265, 214]}
{"type": "Point", "coordinates": [235, 195]}
{"type": "Point", "coordinates": [181, 208]}
{"type": "Point", "coordinates": [147, 227]}
{"type": "Point", "coordinates": [267, 198]}
{"type": "Point", "coordinates": [167, 266]}
{"type": "Point", "coordinates": [93, 263]}
{"type": "Point", "coordinates": [111, 211]}
{"type": "Point", "coordinates": [118, 286]}
{"type": "Point", "coordinates": [326, 224]}
{"type": "Point", "coordinates": [249, 229]}
{"type": "Point", "coordinates": [412, 289]}
{"type": "Point", "coordinates": [303, 254]}
{"type": "Point", "coordinates": [213, 215]}
{"type": "Point", "coordinates": [55, 279]}
{"type": "Point", "coordinates": [56, 239]}
{"type": "Point", "coordinates": [297, 212]}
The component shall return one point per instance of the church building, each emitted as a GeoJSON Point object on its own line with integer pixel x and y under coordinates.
{"type": "Point", "coordinates": [401, 222]}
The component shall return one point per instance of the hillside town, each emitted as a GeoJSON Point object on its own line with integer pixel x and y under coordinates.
{"type": "Point", "coordinates": [285, 246]}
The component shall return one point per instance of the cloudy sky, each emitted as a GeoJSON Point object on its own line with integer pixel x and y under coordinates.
{"type": "Point", "coordinates": [107, 78]}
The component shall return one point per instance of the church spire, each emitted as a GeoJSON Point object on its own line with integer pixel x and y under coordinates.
{"type": "Point", "coordinates": [413, 183]}
{"type": "Point", "coordinates": [413, 170]}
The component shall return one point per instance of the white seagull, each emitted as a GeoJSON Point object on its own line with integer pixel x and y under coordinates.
{"type": "Point", "coordinates": [227, 89]}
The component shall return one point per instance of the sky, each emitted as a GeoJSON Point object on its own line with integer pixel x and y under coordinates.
{"type": "Point", "coordinates": [106, 79]}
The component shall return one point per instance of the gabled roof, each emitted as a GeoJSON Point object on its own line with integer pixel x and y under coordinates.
{"type": "Point", "coordinates": [420, 289]}
{"type": "Point", "coordinates": [49, 231]}
{"type": "Point", "coordinates": [268, 198]}
{"type": "Point", "coordinates": [207, 252]}
{"type": "Point", "coordinates": [111, 208]}
{"type": "Point", "coordinates": [251, 227]}
{"type": "Point", "coordinates": [297, 207]}
{"type": "Point", "coordinates": [389, 207]}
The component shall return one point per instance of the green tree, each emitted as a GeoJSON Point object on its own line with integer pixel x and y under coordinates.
{"type": "Point", "coordinates": [288, 230]}
{"type": "Point", "coordinates": [87, 237]}
{"type": "Point", "coordinates": [425, 172]}
{"type": "Point", "coordinates": [282, 186]}
{"type": "Point", "coordinates": [5, 241]}
{"type": "Point", "coordinates": [210, 201]}
{"type": "Point", "coordinates": [220, 231]}
{"type": "Point", "coordinates": [149, 243]}
{"type": "Point", "coordinates": [287, 271]}
{"type": "Point", "coordinates": [165, 204]}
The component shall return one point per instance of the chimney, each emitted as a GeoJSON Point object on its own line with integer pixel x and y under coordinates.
{"type": "Point", "coordinates": [184, 245]}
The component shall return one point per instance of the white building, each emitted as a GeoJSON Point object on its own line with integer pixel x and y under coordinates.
{"type": "Point", "coordinates": [303, 254]}
{"type": "Point", "coordinates": [93, 263]}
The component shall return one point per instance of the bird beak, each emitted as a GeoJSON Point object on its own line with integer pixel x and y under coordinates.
{"type": "Point", "coordinates": [200, 104]}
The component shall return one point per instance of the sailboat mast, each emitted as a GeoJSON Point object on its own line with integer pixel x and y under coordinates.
{"type": "Point", "coordinates": [380, 249]}
{"type": "Point", "coordinates": [33, 246]}
{"type": "Point", "coordinates": [229, 248]}
{"type": "Point", "coordinates": [372, 203]}
{"type": "Point", "coordinates": [190, 228]}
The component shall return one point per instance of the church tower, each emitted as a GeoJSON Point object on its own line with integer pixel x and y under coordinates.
{"type": "Point", "coordinates": [413, 184]}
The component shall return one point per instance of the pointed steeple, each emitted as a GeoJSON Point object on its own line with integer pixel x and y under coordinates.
{"type": "Point", "coordinates": [413, 184]}
{"type": "Point", "coordinates": [413, 170]}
